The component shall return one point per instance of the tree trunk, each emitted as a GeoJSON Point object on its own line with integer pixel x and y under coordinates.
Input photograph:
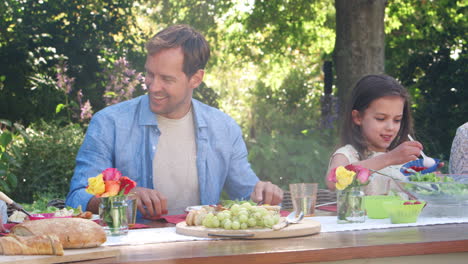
{"type": "Point", "coordinates": [360, 42]}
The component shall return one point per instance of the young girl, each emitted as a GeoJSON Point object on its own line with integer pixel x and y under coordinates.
{"type": "Point", "coordinates": [375, 132]}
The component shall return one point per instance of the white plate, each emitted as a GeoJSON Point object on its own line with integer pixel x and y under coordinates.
{"type": "Point", "coordinates": [193, 207]}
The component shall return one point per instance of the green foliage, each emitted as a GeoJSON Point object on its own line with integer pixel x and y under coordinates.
{"type": "Point", "coordinates": [427, 51]}
{"type": "Point", "coordinates": [39, 204]}
{"type": "Point", "coordinates": [48, 160]}
{"type": "Point", "coordinates": [285, 159]}
{"type": "Point", "coordinates": [206, 95]}
{"type": "Point", "coordinates": [286, 141]}
{"type": "Point", "coordinates": [35, 35]}
{"type": "Point", "coordinates": [9, 155]}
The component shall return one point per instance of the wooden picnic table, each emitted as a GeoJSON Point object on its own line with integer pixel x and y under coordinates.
{"type": "Point", "coordinates": [446, 243]}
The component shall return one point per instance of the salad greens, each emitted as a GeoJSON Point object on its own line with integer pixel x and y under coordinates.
{"type": "Point", "coordinates": [40, 208]}
{"type": "Point", "coordinates": [429, 177]}
{"type": "Point", "coordinates": [431, 184]}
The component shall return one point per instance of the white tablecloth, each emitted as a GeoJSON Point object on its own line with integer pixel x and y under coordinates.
{"type": "Point", "coordinates": [168, 234]}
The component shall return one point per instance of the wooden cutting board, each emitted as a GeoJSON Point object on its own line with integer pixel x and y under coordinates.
{"type": "Point", "coordinates": [68, 256]}
{"type": "Point", "coordinates": [304, 228]}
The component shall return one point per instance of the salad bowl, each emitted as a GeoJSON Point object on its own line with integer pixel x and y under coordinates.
{"type": "Point", "coordinates": [444, 189]}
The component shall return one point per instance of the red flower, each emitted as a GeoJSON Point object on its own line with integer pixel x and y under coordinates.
{"type": "Point", "coordinates": [112, 188]}
{"type": "Point", "coordinates": [362, 174]}
{"type": "Point", "coordinates": [111, 174]}
{"type": "Point", "coordinates": [126, 184]}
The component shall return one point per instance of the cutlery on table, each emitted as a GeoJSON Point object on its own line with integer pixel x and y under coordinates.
{"type": "Point", "coordinates": [290, 219]}
{"type": "Point", "coordinates": [427, 161]}
{"type": "Point", "coordinates": [10, 202]}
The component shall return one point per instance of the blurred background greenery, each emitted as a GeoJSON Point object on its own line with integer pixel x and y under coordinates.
{"type": "Point", "coordinates": [62, 61]}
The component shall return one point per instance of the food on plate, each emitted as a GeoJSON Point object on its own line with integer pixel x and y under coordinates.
{"type": "Point", "coordinates": [17, 217]}
{"type": "Point", "coordinates": [416, 168]}
{"type": "Point", "coordinates": [50, 212]}
{"type": "Point", "coordinates": [72, 232]}
{"type": "Point", "coordinates": [241, 216]}
{"type": "Point", "coordinates": [64, 212]}
{"type": "Point", "coordinates": [31, 245]}
{"type": "Point", "coordinates": [85, 215]}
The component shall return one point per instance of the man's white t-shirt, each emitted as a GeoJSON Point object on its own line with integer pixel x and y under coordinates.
{"type": "Point", "coordinates": [174, 165]}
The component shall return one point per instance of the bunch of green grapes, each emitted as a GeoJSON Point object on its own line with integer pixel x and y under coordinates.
{"type": "Point", "coordinates": [242, 217]}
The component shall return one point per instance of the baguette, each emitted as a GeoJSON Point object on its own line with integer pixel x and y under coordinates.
{"type": "Point", "coordinates": [72, 232]}
{"type": "Point", "coordinates": [31, 245]}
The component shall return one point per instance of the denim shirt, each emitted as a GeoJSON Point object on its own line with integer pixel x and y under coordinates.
{"type": "Point", "coordinates": [125, 136]}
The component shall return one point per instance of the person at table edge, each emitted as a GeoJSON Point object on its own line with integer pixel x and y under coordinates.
{"type": "Point", "coordinates": [179, 151]}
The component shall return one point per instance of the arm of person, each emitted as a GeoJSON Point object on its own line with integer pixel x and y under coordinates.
{"type": "Point", "coordinates": [459, 151]}
{"type": "Point", "coordinates": [95, 155]}
{"type": "Point", "coordinates": [242, 181]}
{"type": "Point", "coordinates": [2, 228]}
{"type": "Point", "coordinates": [405, 152]}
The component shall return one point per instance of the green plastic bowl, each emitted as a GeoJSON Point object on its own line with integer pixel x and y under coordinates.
{"type": "Point", "coordinates": [401, 213]}
{"type": "Point", "coordinates": [374, 205]}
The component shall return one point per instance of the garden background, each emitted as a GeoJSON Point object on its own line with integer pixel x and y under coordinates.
{"type": "Point", "coordinates": [280, 68]}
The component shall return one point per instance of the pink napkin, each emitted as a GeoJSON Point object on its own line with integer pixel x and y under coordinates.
{"type": "Point", "coordinates": [9, 225]}
{"type": "Point", "coordinates": [284, 213]}
{"type": "Point", "coordinates": [330, 208]}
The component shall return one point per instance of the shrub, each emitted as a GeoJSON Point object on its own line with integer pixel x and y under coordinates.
{"type": "Point", "coordinates": [8, 155]}
{"type": "Point", "coordinates": [285, 159]}
{"type": "Point", "coordinates": [48, 160]}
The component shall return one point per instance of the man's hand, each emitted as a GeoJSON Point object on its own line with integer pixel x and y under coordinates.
{"type": "Point", "coordinates": [267, 192]}
{"type": "Point", "coordinates": [151, 203]}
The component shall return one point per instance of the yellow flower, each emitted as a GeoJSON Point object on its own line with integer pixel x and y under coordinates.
{"type": "Point", "coordinates": [96, 185]}
{"type": "Point", "coordinates": [344, 177]}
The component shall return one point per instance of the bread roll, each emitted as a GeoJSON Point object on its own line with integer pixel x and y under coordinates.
{"type": "Point", "coordinates": [31, 245]}
{"type": "Point", "coordinates": [190, 219]}
{"type": "Point", "coordinates": [72, 232]}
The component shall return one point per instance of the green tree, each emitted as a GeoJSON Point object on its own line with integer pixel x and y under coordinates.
{"type": "Point", "coordinates": [427, 50]}
{"type": "Point", "coordinates": [35, 35]}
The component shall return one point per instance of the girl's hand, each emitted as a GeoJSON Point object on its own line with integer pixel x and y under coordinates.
{"type": "Point", "coordinates": [405, 152]}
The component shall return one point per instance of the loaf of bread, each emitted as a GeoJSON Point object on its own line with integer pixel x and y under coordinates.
{"type": "Point", "coordinates": [72, 232]}
{"type": "Point", "coordinates": [31, 245]}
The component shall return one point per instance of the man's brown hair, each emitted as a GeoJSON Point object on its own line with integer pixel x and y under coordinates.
{"type": "Point", "coordinates": [194, 46]}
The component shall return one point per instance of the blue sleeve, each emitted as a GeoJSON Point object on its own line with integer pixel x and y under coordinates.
{"type": "Point", "coordinates": [241, 179]}
{"type": "Point", "coordinates": [94, 156]}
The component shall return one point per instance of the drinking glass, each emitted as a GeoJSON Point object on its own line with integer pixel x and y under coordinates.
{"type": "Point", "coordinates": [304, 196]}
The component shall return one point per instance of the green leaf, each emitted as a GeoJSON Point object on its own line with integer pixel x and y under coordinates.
{"type": "Point", "coordinates": [12, 179]}
{"type": "Point", "coordinates": [59, 108]}
{"type": "Point", "coordinates": [5, 122]}
{"type": "Point", "coordinates": [5, 138]}
{"type": "Point", "coordinates": [4, 186]}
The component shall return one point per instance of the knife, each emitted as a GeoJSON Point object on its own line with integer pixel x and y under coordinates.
{"type": "Point", "coordinates": [14, 205]}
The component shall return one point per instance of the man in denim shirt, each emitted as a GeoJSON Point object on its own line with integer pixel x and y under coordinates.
{"type": "Point", "coordinates": [179, 151]}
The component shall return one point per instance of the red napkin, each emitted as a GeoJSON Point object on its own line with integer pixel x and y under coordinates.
{"type": "Point", "coordinates": [284, 213]}
{"type": "Point", "coordinates": [139, 226]}
{"type": "Point", "coordinates": [330, 208]}
{"type": "Point", "coordinates": [174, 219]}
{"type": "Point", "coordinates": [9, 225]}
